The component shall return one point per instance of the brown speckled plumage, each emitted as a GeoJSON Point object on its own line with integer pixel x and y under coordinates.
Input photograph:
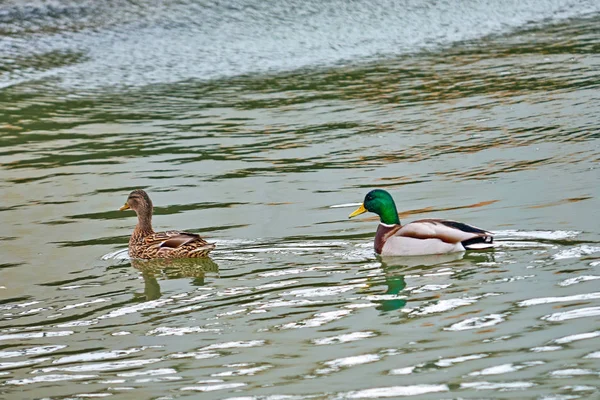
{"type": "Point", "coordinates": [145, 243]}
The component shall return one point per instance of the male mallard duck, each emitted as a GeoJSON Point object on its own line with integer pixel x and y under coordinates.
{"type": "Point", "coordinates": [145, 243]}
{"type": "Point", "coordinates": [422, 237]}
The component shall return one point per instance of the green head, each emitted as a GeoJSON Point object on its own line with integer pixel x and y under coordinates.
{"type": "Point", "coordinates": [380, 202]}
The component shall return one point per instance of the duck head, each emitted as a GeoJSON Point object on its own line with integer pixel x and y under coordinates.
{"type": "Point", "coordinates": [380, 202]}
{"type": "Point", "coordinates": [140, 202]}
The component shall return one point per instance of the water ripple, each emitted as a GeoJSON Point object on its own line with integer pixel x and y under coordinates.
{"type": "Point", "coordinates": [293, 303]}
{"type": "Point", "coordinates": [31, 351]}
{"type": "Point", "coordinates": [550, 300]}
{"type": "Point", "coordinates": [477, 322]}
{"type": "Point", "coordinates": [580, 336]}
{"type": "Point", "coordinates": [393, 391]}
{"type": "Point", "coordinates": [505, 368]}
{"type": "Point", "coordinates": [573, 314]}
{"type": "Point", "coordinates": [336, 365]}
{"type": "Point", "coordinates": [318, 319]}
{"type": "Point", "coordinates": [105, 355]}
{"type": "Point", "coordinates": [348, 337]}
{"type": "Point", "coordinates": [210, 386]}
{"type": "Point", "coordinates": [48, 378]}
{"type": "Point", "coordinates": [578, 279]}
{"type": "Point", "coordinates": [497, 385]}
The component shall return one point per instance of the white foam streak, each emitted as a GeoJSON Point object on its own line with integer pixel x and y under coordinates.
{"type": "Point", "coordinates": [505, 368]}
{"type": "Point", "coordinates": [477, 322]}
{"type": "Point", "coordinates": [393, 391]}
{"type": "Point", "coordinates": [135, 308]}
{"type": "Point", "coordinates": [580, 336]}
{"type": "Point", "coordinates": [35, 335]}
{"type": "Point", "coordinates": [317, 320]}
{"type": "Point", "coordinates": [445, 305]}
{"type": "Point", "coordinates": [108, 366]}
{"type": "Point", "coordinates": [85, 303]}
{"type": "Point", "coordinates": [166, 331]}
{"type": "Point", "coordinates": [32, 351]}
{"type": "Point", "coordinates": [348, 337]}
{"type": "Point", "coordinates": [152, 372]}
{"type": "Point", "coordinates": [322, 291]}
{"type": "Point", "coordinates": [102, 355]}
{"type": "Point", "coordinates": [244, 371]}
{"type": "Point", "coordinates": [430, 288]}
{"type": "Point", "coordinates": [548, 300]}
{"type": "Point", "coordinates": [211, 388]}
{"type": "Point", "coordinates": [447, 362]}
{"type": "Point", "coordinates": [403, 371]}
{"type": "Point", "coordinates": [497, 385]}
{"type": "Point", "coordinates": [578, 279]}
{"type": "Point", "coordinates": [288, 303]}
{"type": "Point", "coordinates": [345, 205]}
{"type": "Point", "coordinates": [121, 254]}
{"type": "Point", "coordinates": [573, 314]}
{"type": "Point", "coordinates": [234, 345]}
{"type": "Point", "coordinates": [542, 349]}
{"type": "Point", "coordinates": [17, 364]}
{"type": "Point", "coordinates": [48, 378]}
{"type": "Point", "coordinates": [573, 372]}
{"type": "Point", "coordinates": [352, 361]}
{"type": "Point", "coordinates": [576, 252]}
{"type": "Point", "coordinates": [545, 235]}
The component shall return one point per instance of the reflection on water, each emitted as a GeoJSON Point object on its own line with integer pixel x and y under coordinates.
{"type": "Point", "coordinates": [498, 131]}
{"type": "Point", "coordinates": [395, 284]}
{"type": "Point", "coordinates": [194, 268]}
{"type": "Point", "coordinates": [395, 270]}
{"type": "Point", "coordinates": [409, 263]}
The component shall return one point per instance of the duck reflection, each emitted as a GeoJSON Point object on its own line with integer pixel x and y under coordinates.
{"type": "Point", "coordinates": [195, 268]}
{"type": "Point", "coordinates": [419, 261]}
{"type": "Point", "coordinates": [395, 284]}
{"type": "Point", "coordinates": [395, 268]}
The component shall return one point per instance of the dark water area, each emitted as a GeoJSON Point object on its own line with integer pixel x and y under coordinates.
{"type": "Point", "coordinates": [260, 125]}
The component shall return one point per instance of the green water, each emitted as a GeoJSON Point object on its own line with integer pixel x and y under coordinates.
{"type": "Point", "coordinates": [501, 133]}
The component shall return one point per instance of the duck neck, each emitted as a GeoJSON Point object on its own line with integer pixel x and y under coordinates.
{"type": "Point", "coordinates": [389, 215]}
{"type": "Point", "coordinates": [144, 225]}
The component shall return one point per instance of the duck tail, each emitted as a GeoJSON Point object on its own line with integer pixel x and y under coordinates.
{"type": "Point", "coordinates": [479, 243]}
{"type": "Point", "coordinates": [202, 251]}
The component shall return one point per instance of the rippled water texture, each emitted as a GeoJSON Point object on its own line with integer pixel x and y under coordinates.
{"type": "Point", "coordinates": [491, 119]}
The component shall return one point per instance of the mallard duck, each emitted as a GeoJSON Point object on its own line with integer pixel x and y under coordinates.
{"type": "Point", "coordinates": [145, 243]}
{"type": "Point", "coordinates": [422, 237]}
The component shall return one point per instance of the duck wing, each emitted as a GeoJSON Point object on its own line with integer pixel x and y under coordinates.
{"type": "Point", "coordinates": [173, 239]}
{"type": "Point", "coordinates": [445, 230]}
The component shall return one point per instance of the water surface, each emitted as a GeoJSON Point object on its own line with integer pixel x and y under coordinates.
{"type": "Point", "coordinates": [491, 121]}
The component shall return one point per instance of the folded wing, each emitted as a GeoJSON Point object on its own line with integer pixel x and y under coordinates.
{"type": "Point", "coordinates": [444, 230]}
{"type": "Point", "coordinates": [174, 239]}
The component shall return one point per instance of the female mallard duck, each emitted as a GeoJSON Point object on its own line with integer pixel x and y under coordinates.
{"type": "Point", "coordinates": [145, 243]}
{"type": "Point", "coordinates": [422, 237]}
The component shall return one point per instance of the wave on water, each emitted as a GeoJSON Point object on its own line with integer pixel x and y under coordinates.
{"type": "Point", "coordinates": [121, 254]}
{"type": "Point", "coordinates": [364, 250]}
{"type": "Point", "coordinates": [88, 44]}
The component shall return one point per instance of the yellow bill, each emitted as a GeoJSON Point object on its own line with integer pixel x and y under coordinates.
{"type": "Point", "coordinates": [358, 211]}
{"type": "Point", "coordinates": [125, 207]}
